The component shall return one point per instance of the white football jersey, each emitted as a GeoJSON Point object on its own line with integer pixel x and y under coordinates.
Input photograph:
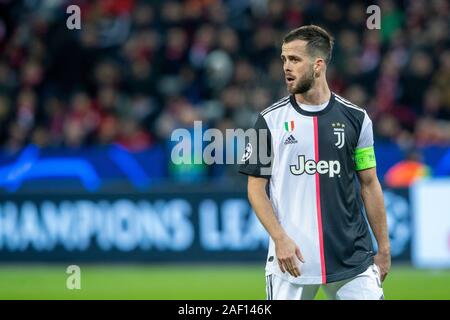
{"type": "Point", "coordinates": [309, 159]}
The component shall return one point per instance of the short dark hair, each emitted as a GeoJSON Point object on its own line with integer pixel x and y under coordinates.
{"type": "Point", "coordinates": [319, 41]}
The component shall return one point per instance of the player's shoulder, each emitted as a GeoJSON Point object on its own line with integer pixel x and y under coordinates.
{"type": "Point", "coordinates": [351, 109]}
{"type": "Point", "coordinates": [350, 106]}
{"type": "Point", "coordinates": [278, 105]}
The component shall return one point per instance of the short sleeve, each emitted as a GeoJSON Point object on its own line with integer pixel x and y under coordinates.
{"type": "Point", "coordinates": [366, 135]}
{"type": "Point", "coordinates": [257, 156]}
{"type": "Point", "coordinates": [364, 152]}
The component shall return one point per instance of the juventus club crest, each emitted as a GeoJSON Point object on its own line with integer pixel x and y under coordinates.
{"type": "Point", "coordinates": [338, 130]}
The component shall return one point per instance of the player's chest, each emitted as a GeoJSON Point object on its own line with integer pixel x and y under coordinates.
{"type": "Point", "coordinates": [321, 136]}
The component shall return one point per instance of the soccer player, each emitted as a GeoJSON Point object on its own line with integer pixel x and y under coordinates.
{"type": "Point", "coordinates": [317, 144]}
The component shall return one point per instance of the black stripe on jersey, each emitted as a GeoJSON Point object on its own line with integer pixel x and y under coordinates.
{"type": "Point", "coordinates": [271, 287]}
{"type": "Point", "coordinates": [276, 105]}
{"type": "Point", "coordinates": [356, 113]}
{"type": "Point", "coordinates": [257, 165]}
{"type": "Point", "coordinates": [346, 238]}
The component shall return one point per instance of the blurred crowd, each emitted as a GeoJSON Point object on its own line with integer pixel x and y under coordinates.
{"type": "Point", "coordinates": [139, 69]}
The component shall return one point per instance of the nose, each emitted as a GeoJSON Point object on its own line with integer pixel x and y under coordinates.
{"type": "Point", "coordinates": [287, 66]}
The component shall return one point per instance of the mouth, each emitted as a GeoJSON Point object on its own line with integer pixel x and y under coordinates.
{"type": "Point", "coordinates": [290, 80]}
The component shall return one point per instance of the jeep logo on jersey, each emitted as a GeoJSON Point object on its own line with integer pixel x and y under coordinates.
{"type": "Point", "coordinates": [332, 167]}
{"type": "Point", "coordinates": [338, 130]}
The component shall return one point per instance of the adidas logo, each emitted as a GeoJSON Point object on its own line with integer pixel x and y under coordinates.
{"type": "Point", "coordinates": [290, 140]}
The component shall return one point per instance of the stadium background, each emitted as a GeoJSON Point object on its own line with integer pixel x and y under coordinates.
{"type": "Point", "coordinates": [86, 118]}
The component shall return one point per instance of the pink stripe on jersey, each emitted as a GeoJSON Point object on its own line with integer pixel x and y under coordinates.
{"type": "Point", "coordinates": [319, 210]}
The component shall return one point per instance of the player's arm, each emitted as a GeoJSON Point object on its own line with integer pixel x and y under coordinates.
{"type": "Point", "coordinates": [372, 196]}
{"type": "Point", "coordinates": [257, 165]}
{"type": "Point", "coordinates": [286, 249]}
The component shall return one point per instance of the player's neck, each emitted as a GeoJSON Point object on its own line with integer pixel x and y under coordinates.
{"type": "Point", "coordinates": [318, 94]}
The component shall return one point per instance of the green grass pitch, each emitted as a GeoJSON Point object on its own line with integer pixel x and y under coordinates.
{"type": "Point", "coordinates": [181, 282]}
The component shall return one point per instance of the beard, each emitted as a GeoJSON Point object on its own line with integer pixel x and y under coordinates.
{"type": "Point", "coordinates": [304, 83]}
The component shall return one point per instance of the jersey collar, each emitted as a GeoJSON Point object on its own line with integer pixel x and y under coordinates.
{"type": "Point", "coordinates": [310, 113]}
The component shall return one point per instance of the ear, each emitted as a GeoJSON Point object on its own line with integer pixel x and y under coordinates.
{"type": "Point", "coordinates": [319, 66]}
